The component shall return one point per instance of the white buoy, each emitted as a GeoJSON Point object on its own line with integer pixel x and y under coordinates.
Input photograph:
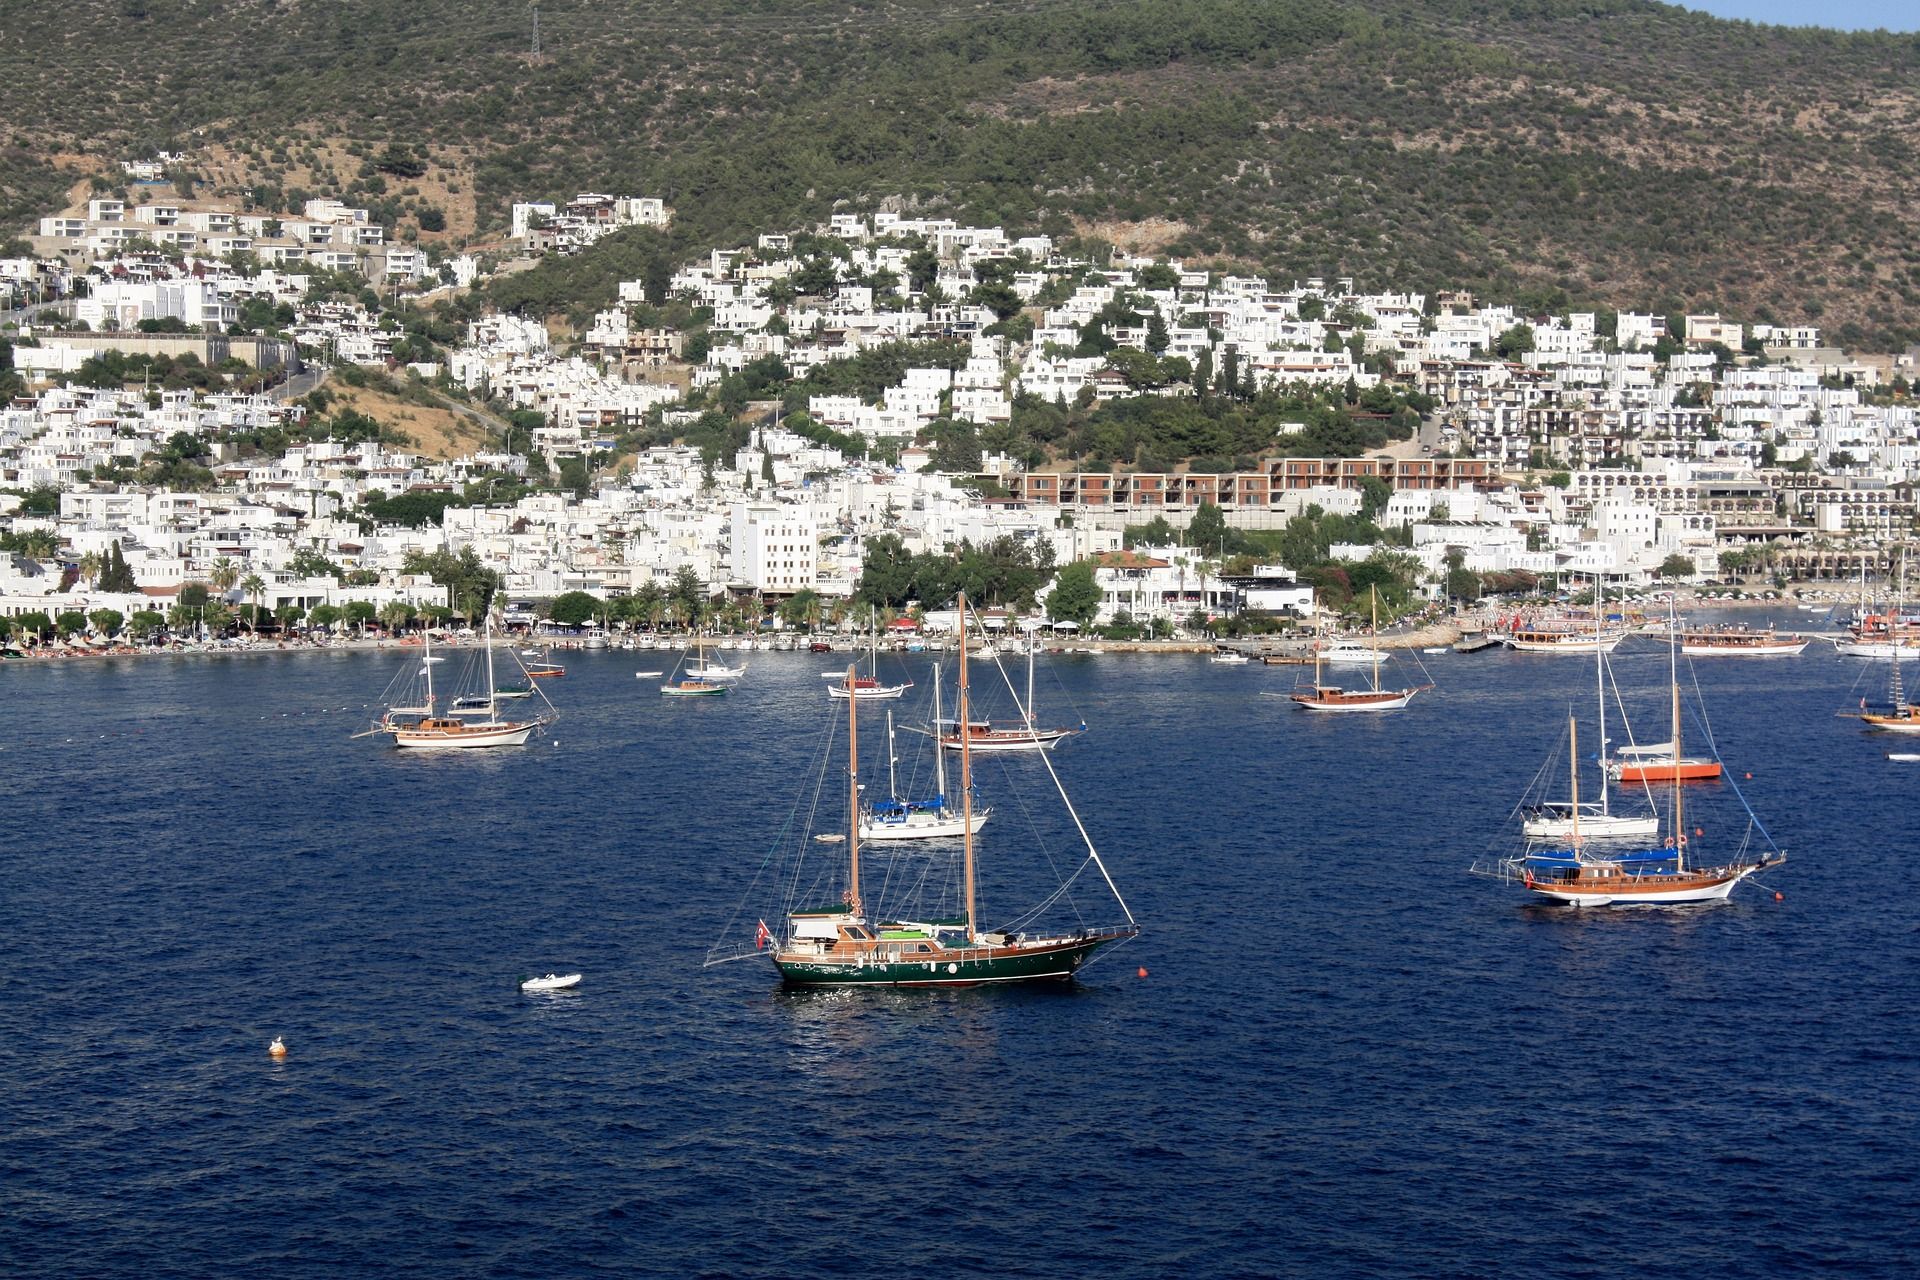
{"type": "Point", "coordinates": [277, 1049]}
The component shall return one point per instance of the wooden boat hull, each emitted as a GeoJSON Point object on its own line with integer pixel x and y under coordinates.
{"type": "Point", "coordinates": [692, 690]}
{"type": "Point", "coordinates": [545, 675]}
{"type": "Point", "coordinates": [1654, 889]}
{"type": "Point", "coordinates": [944, 966]}
{"type": "Point", "coordinates": [464, 736]}
{"type": "Point", "coordinates": [1011, 740]}
{"type": "Point", "coordinates": [1893, 724]}
{"type": "Point", "coordinates": [1341, 700]}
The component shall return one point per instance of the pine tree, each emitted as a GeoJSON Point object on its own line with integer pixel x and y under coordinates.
{"type": "Point", "coordinates": [1157, 337]}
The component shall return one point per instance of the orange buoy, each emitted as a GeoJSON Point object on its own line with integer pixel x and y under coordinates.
{"type": "Point", "coordinates": [1778, 896]}
{"type": "Point", "coordinates": [277, 1049]}
{"type": "Point", "coordinates": [1697, 831]}
{"type": "Point", "coordinates": [1749, 777]}
{"type": "Point", "coordinates": [1142, 971]}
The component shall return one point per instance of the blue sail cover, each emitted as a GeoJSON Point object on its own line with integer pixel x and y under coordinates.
{"type": "Point", "coordinates": [903, 807]}
{"type": "Point", "coordinates": [1568, 860]}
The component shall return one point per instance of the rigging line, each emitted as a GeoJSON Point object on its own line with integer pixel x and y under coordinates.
{"type": "Point", "coordinates": [823, 755]}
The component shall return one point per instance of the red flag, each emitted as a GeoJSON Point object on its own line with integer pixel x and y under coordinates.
{"type": "Point", "coordinates": [762, 936]}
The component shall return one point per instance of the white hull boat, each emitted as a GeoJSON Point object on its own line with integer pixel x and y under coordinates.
{"type": "Point", "coordinates": [552, 982]}
{"type": "Point", "coordinates": [1890, 650]}
{"type": "Point", "coordinates": [919, 824]}
{"type": "Point", "coordinates": [1553, 822]}
{"type": "Point", "coordinates": [1016, 739]}
{"type": "Point", "coordinates": [1339, 652]}
{"type": "Point", "coordinates": [1782, 648]}
{"type": "Point", "coordinates": [1573, 643]}
{"type": "Point", "coordinates": [463, 736]}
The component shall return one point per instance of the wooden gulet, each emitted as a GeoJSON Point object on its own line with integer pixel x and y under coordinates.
{"type": "Point", "coordinates": [840, 946]}
{"type": "Point", "coordinates": [437, 732]}
{"type": "Point", "coordinates": [1325, 697]}
{"type": "Point", "coordinates": [992, 736]}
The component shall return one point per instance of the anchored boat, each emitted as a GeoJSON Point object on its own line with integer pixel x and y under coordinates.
{"type": "Point", "coordinates": [850, 941]}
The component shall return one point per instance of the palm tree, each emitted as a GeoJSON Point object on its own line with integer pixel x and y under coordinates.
{"type": "Point", "coordinates": [90, 566]}
{"type": "Point", "coordinates": [395, 614]}
{"type": "Point", "coordinates": [256, 587]}
{"type": "Point", "coordinates": [224, 574]}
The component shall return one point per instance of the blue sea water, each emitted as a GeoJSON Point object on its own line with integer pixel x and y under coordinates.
{"type": "Point", "coordinates": [1348, 1057]}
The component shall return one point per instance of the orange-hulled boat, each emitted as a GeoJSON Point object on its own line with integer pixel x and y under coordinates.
{"type": "Point", "coordinates": [1665, 769]}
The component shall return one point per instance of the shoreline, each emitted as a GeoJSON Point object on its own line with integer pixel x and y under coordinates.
{"type": "Point", "coordinates": [1431, 634]}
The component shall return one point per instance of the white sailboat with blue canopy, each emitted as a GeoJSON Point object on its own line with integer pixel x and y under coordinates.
{"type": "Point", "coordinates": [932, 818]}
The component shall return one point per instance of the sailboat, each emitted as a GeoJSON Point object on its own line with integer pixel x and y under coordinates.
{"type": "Point", "coordinates": [1023, 734]}
{"type": "Point", "coordinates": [1900, 716]}
{"type": "Point", "coordinates": [696, 683]}
{"type": "Point", "coordinates": [1553, 820]}
{"type": "Point", "coordinates": [847, 944]}
{"type": "Point", "coordinates": [470, 722]}
{"type": "Point", "coordinates": [544, 668]}
{"type": "Point", "coordinates": [1327, 697]}
{"type": "Point", "coordinates": [868, 688]}
{"type": "Point", "coordinates": [1889, 634]}
{"type": "Point", "coordinates": [932, 819]}
{"type": "Point", "coordinates": [1673, 874]}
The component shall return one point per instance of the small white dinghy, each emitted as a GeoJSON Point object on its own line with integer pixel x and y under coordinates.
{"type": "Point", "coordinates": [552, 982]}
{"type": "Point", "coordinates": [1903, 755]}
{"type": "Point", "coordinates": [648, 675]}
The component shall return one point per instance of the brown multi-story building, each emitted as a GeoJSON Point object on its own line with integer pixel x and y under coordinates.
{"type": "Point", "coordinates": [1151, 491]}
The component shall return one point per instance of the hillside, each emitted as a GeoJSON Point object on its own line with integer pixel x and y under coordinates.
{"type": "Point", "coordinates": [1618, 152]}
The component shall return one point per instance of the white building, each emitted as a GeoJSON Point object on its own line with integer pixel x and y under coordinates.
{"type": "Point", "coordinates": [775, 546]}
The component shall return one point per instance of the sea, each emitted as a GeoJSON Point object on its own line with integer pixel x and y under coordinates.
{"type": "Point", "coordinates": [1330, 1052]}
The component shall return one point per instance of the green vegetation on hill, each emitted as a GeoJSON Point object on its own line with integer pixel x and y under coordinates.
{"type": "Point", "coordinates": [1616, 152]}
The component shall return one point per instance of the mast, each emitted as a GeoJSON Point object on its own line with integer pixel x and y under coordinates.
{"type": "Point", "coordinates": [893, 786]}
{"type": "Point", "coordinates": [1673, 675]}
{"type": "Point", "coordinates": [1600, 687]}
{"type": "Point", "coordinates": [1573, 772]}
{"type": "Point", "coordinates": [873, 642]}
{"type": "Point", "coordinates": [426, 663]}
{"type": "Point", "coordinates": [939, 748]}
{"type": "Point", "coordinates": [1894, 637]}
{"type": "Point", "coordinates": [493, 710]}
{"type": "Point", "coordinates": [966, 775]}
{"type": "Point", "coordinates": [1373, 637]}
{"type": "Point", "coordinates": [1319, 641]}
{"type": "Point", "coordinates": [853, 796]}
{"type": "Point", "coordinates": [1030, 686]}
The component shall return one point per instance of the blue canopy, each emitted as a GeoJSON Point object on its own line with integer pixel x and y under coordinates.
{"type": "Point", "coordinates": [1568, 860]}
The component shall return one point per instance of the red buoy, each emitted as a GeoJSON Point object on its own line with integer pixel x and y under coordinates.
{"type": "Point", "coordinates": [1142, 971]}
{"type": "Point", "coordinates": [1778, 896]}
{"type": "Point", "coordinates": [1749, 777]}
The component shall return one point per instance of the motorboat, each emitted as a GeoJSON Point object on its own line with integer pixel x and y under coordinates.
{"type": "Point", "coordinates": [552, 982]}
